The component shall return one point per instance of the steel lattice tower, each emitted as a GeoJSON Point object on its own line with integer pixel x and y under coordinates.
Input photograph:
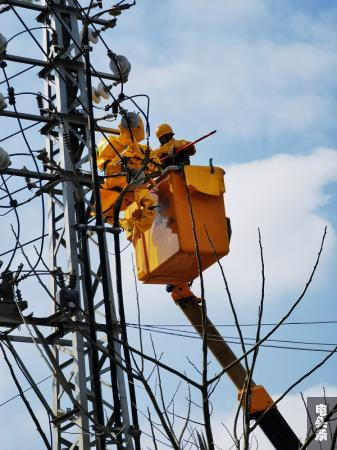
{"type": "Point", "coordinates": [90, 404]}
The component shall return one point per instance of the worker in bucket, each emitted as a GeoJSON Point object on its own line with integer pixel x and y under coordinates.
{"type": "Point", "coordinates": [124, 153]}
{"type": "Point", "coordinates": [172, 151]}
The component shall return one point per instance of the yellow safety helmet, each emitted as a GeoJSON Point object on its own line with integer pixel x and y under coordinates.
{"type": "Point", "coordinates": [163, 129]}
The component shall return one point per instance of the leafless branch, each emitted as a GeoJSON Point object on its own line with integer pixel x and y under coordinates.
{"type": "Point", "coordinates": [284, 318]}
{"type": "Point", "coordinates": [204, 389]}
{"type": "Point", "coordinates": [152, 430]}
{"type": "Point", "coordinates": [298, 381]}
{"type": "Point", "coordinates": [138, 313]}
{"type": "Point", "coordinates": [187, 418]}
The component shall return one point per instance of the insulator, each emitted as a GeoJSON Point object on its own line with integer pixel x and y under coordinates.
{"type": "Point", "coordinates": [99, 92]}
{"type": "Point", "coordinates": [5, 161]}
{"type": "Point", "coordinates": [43, 156]}
{"type": "Point", "coordinates": [18, 295]}
{"type": "Point", "coordinates": [27, 179]}
{"type": "Point", "coordinates": [54, 38]}
{"type": "Point", "coordinates": [103, 90]}
{"type": "Point", "coordinates": [129, 120]}
{"type": "Point", "coordinates": [120, 67]}
{"type": "Point", "coordinates": [67, 140]}
{"type": "Point", "coordinates": [96, 98]}
{"type": "Point", "coordinates": [29, 183]}
{"type": "Point", "coordinates": [72, 280]}
{"type": "Point", "coordinates": [11, 96]}
{"type": "Point", "coordinates": [60, 278]}
{"type": "Point", "coordinates": [114, 108]}
{"type": "Point", "coordinates": [124, 7]}
{"type": "Point", "coordinates": [39, 100]}
{"type": "Point", "coordinates": [3, 103]}
{"type": "Point", "coordinates": [66, 137]}
{"type": "Point", "coordinates": [92, 36]}
{"type": "Point", "coordinates": [3, 43]}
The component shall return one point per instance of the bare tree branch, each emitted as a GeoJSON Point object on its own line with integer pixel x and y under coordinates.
{"type": "Point", "coordinates": [284, 318]}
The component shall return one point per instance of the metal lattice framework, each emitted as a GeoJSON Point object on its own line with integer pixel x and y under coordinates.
{"type": "Point", "coordinates": [90, 406]}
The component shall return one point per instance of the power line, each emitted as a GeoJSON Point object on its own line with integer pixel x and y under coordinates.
{"type": "Point", "coordinates": [229, 339]}
{"type": "Point", "coordinates": [19, 132]}
{"type": "Point", "coordinates": [21, 393]}
{"type": "Point", "coordinates": [37, 169]}
{"type": "Point", "coordinates": [25, 390]}
{"type": "Point", "coordinates": [231, 325]}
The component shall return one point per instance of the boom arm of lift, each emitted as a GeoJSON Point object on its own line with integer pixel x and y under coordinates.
{"type": "Point", "coordinates": [272, 423]}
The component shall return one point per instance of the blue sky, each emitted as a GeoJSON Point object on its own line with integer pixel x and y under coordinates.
{"type": "Point", "coordinates": [264, 75]}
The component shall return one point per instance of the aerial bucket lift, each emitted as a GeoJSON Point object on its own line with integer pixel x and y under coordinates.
{"type": "Point", "coordinates": [190, 232]}
{"type": "Point", "coordinates": [190, 210]}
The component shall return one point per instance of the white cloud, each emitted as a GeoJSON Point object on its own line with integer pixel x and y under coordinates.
{"type": "Point", "coordinates": [292, 409]}
{"type": "Point", "coordinates": [282, 195]}
{"type": "Point", "coordinates": [244, 89]}
{"type": "Point", "coordinates": [235, 67]}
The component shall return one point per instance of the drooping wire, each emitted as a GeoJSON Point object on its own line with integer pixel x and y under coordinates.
{"type": "Point", "coordinates": [35, 164]}
{"type": "Point", "coordinates": [234, 340]}
{"type": "Point", "coordinates": [6, 213]}
{"type": "Point", "coordinates": [87, 19]}
{"type": "Point", "coordinates": [56, 68]}
{"type": "Point", "coordinates": [13, 192]}
{"type": "Point", "coordinates": [18, 74]}
{"type": "Point", "coordinates": [271, 324]}
{"type": "Point", "coordinates": [18, 132]}
{"type": "Point", "coordinates": [31, 383]}
{"type": "Point", "coordinates": [18, 226]}
{"type": "Point", "coordinates": [78, 329]}
{"type": "Point", "coordinates": [25, 31]}
{"type": "Point", "coordinates": [38, 95]}
{"type": "Point", "coordinates": [78, 99]}
{"type": "Point", "coordinates": [24, 390]}
{"type": "Point", "coordinates": [24, 399]}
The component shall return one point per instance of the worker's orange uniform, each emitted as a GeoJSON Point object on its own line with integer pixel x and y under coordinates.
{"type": "Point", "coordinates": [168, 154]}
{"type": "Point", "coordinates": [139, 161]}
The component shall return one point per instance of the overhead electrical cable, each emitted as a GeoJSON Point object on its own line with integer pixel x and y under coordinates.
{"type": "Point", "coordinates": [10, 399]}
{"type": "Point", "coordinates": [18, 132]}
{"type": "Point", "coordinates": [229, 339]}
{"type": "Point", "coordinates": [57, 70]}
{"type": "Point", "coordinates": [18, 74]}
{"type": "Point", "coordinates": [314, 322]}
{"type": "Point", "coordinates": [18, 233]}
{"type": "Point", "coordinates": [22, 395]}
{"type": "Point", "coordinates": [35, 164]}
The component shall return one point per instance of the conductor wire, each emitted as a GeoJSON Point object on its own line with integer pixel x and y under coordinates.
{"type": "Point", "coordinates": [58, 71]}
{"type": "Point", "coordinates": [22, 395]}
{"type": "Point", "coordinates": [18, 227]}
{"type": "Point", "coordinates": [37, 169]}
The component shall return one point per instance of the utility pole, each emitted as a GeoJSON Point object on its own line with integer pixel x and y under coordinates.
{"type": "Point", "coordinates": [90, 405]}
